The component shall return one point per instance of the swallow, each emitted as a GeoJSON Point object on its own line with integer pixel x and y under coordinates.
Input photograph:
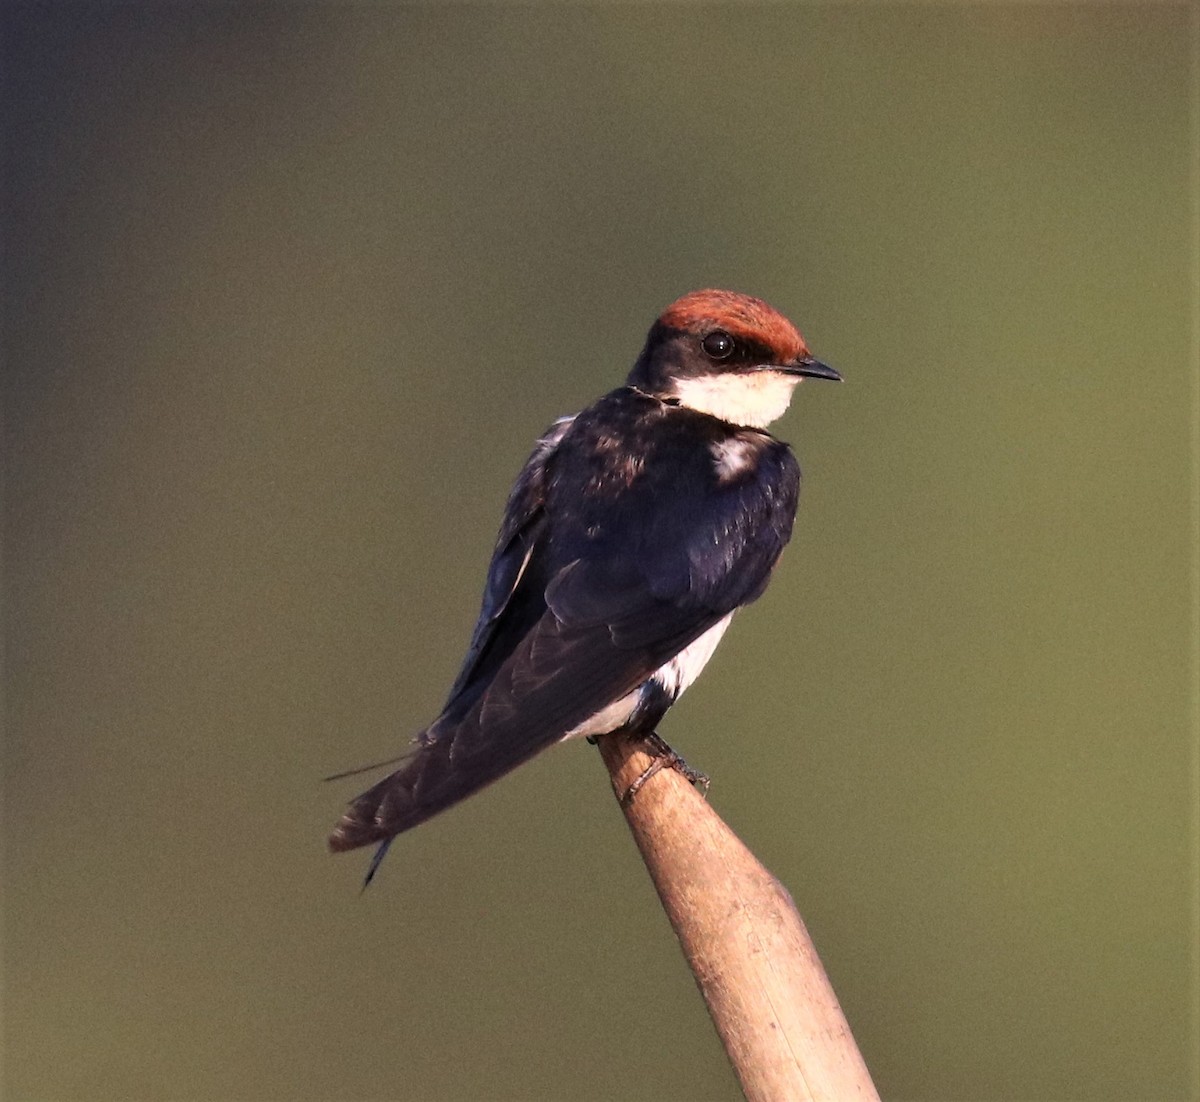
{"type": "Point", "coordinates": [634, 532]}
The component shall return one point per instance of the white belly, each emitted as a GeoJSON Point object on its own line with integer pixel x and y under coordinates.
{"type": "Point", "coordinates": [685, 667]}
{"type": "Point", "coordinates": [607, 719]}
{"type": "Point", "coordinates": [674, 676]}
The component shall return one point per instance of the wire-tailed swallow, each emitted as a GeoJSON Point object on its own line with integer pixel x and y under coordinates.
{"type": "Point", "coordinates": [634, 532]}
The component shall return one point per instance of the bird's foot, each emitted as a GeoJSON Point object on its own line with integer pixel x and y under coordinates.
{"type": "Point", "coordinates": [665, 756]}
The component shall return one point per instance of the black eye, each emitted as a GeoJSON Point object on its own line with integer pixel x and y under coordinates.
{"type": "Point", "coordinates": [718, 344]}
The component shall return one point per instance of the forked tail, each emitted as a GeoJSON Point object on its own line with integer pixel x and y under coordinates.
{"type": "Point", "coordinates": [438, 775]}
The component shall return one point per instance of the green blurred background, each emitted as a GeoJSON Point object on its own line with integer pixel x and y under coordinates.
{"type": "Point", "coordinates": [292, 289]}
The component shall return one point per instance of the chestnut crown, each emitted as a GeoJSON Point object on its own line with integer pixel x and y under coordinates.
{"type": "Point", "coordinates": [726, 354]}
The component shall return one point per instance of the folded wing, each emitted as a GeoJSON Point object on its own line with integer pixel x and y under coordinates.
{"type": "Point", "coordinates": [592, 588]}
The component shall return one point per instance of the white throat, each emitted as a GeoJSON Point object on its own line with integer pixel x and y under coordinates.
{"type": "Point", "coordinates": [754, 399]}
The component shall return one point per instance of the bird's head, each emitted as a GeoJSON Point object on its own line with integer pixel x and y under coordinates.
{"type": "Point", "coordinates": [728, 355]}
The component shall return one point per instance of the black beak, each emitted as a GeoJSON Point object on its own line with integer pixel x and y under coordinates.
{"type": "Point", "coordinates": [814, 369]}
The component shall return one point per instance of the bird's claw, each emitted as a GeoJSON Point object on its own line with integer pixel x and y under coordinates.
{"type": "Point", "coordinates": [665, 756]}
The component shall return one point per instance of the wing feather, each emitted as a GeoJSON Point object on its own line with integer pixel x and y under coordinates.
{"type": "Point", "coordinates": [520, 533]}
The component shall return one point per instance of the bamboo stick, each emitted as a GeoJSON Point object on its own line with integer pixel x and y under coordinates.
{"type": "Point", "coordinates": [744, 941]}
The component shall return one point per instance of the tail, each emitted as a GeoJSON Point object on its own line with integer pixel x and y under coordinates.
{"type": "Point", "coordinates": [434, 778]}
